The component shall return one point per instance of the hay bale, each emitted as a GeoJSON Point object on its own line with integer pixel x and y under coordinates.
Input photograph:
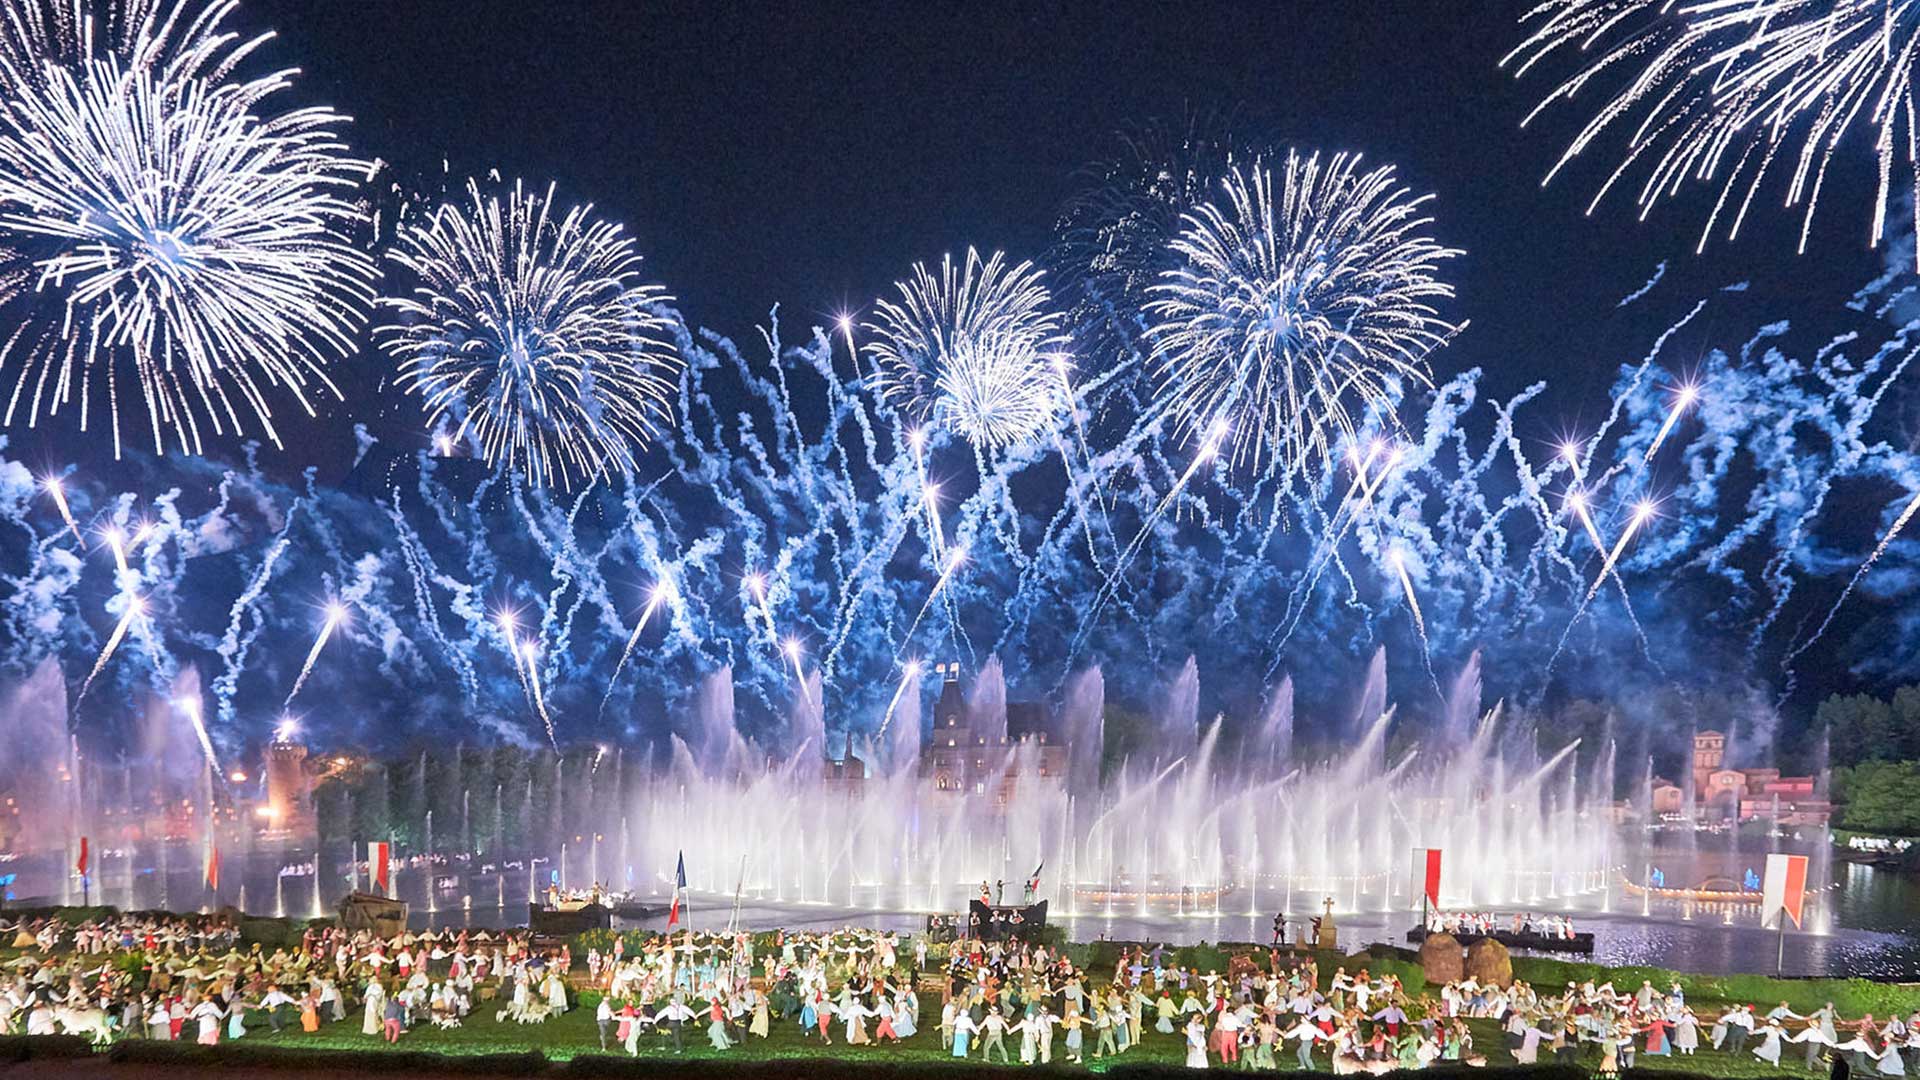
{"type": "Point", "coordinates": [1489, 963]}
{"type": "Point", "coordinates": [1442, 959]}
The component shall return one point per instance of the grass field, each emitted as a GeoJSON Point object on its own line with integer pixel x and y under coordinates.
{"type": "Point", "coordinates": [574, 1033]}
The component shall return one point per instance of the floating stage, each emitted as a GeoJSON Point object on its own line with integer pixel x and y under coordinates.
{"type": "Point", "coordinates": [1576, 945]}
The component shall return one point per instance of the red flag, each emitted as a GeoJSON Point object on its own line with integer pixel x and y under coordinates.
{"type": "Point", "coordinates": [379, 864]}
{"type": "Point", "coordinates": [81, 866]}
{"type": "Point", "coordinates": [213, 868]}
{"type": "Point", "coordinates": [1433, 876]}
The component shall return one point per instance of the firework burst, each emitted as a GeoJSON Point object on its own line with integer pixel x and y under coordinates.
{"type": "Point", "coordinates": [971, 349]}
{"type": "Point", "coordinates": [1115, 232]}
{"type": "Point", "coordinates": [175, 40]}
{"type": "Point", "coordinates": [1298, 300]}
{"type": "Point", "coordinates": [532, 335]}
{"type": "Point", "coordinates": [1727, 93]}
{"type": "Point", "coordinates": [178, 250]}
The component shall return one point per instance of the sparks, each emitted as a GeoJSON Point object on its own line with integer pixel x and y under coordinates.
{"type": "Point", "coordinates": [956, 558]}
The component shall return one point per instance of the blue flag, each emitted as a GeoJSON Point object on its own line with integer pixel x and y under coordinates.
{"type": "Point", "coordinates": [679, 886]}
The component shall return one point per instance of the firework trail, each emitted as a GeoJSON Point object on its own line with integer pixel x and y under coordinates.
{"type": "Point", "coordinates": [909, 676]}
{"type": "Point", "coordinates": [794, 651]}
{"type": "Point", "coordinates": [532, 335]}
{"type": "Point", "coordinates": [1683, 399]}
{"type": "Point", "coordinates": [1577, 500]}
{"type": "Point", "coordinates": [1397, 562]}
{"type": "Point", "coordinates": [508, 625]}
{"type": "Point", "coordinates": [191, 706]}
{"type": "Point", "coordinates": [956, 557]}
{"type": "Point", "coordinates": [1295, 306]}
{"type": "Point", "coordinates": [237, 643]}
{"type": "Point", "coordinates": [192, 253]}
{"type": "Point", "coordinates": [135, 608]}
{"type": "Point", "coordinates": [539, 699]}
{"type": "Point", "coordinates": [1111, 584]}
{"type": "Point", "coordinates": [1725, 93]}
{"type": "Point", "coordinates": [336, 614]}
{"type": "Point", "coordinates": [1642, 513]}
{"type": "Point", "coordinates": [1879, 549]}
{"type": "Point", "coordinates": [115, 542]}
{"type": "Point", "coordinates": [1358, 498]}
{"type": "Point", "coordinates": [58, 491]}
{"type": "Point", "coordinates": [662, 593]}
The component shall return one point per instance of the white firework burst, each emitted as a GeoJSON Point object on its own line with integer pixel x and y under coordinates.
{"type": "Point", "coordinates": [974, 348]}
{"type": "Point", "coordinates": [533, 335]}
{"type": "Point", "coordinates": [174, 40]}
{"type": "Point", "coordinates": [1726, 94]}
{"type": "Point", "coordinates": [176, 248]}
{"type": "Point", "coordinates": [1294, 305]}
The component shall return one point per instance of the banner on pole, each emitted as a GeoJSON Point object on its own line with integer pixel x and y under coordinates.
{"type": "Point", "coordinates": [1426, 870]}
{"type": "Point", "coordinates": [1784, 889]}
{"type": "Point", "coordinates": [379, 865]}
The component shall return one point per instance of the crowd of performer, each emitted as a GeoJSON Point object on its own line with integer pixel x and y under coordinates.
{"type": "Point", "coordinates": [193, 981]}
{"type": "Point", "coordinates": [1491, 924]}
{"type": "Point", "coordinates": [999, 1002]}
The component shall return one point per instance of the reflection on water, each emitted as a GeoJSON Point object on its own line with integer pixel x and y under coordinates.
{"type": "Point", "coordinates": [1873, 913]}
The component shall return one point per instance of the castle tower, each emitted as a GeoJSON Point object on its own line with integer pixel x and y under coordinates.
{"type": "Point", "coordinates": [289, 794]}
{"type": "Point", "coordinates": [954, 756]}
{"type": "Point", "coordinates": [1709, 751]}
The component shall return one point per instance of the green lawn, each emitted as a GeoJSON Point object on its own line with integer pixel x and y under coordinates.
{"type": "Point", "coordinates": [574, 1033]}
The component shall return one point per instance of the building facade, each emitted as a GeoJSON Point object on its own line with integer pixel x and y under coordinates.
{"type": "Point", "coordinates": [962, 758]}
{"type": "Point", "coordinates": [1725, 794]}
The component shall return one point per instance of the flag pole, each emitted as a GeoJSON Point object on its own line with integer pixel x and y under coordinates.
{"type": "Point", "coordinates": [739, 884]}
{"type": "Point", "coordinates": [1780, 951]}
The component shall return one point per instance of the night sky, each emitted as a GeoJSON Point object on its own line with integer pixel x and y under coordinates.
{"type": "Point", "coordinates": [808, 154]}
